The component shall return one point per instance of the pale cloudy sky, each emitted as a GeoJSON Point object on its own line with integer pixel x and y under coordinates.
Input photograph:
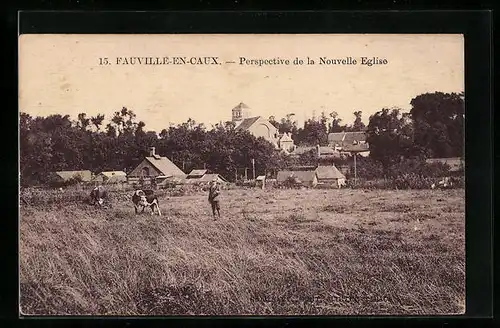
{"type": "Point", "coordinates": [61, 74]}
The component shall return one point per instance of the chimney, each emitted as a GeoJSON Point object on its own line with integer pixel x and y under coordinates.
{"type": "Point", "coordinates": [152, 152]}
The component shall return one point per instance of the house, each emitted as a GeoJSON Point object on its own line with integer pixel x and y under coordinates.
{"type": "Point", "coordinates": [349, 142]}
{"type": "Point", "coordinates": [257, 125]}
{"type": "Point", "coordinates": [341, 139]}
{"type": "Point", "coordinates": [329, 175]}
{"type": "Point", "coordinates": [154, 166]}
{"type": "Point", "coordinates": [346, 139]}
{"type": "Point", "coordinates": [307, 178]}
{"type": "Point", "coordinates": [66, 176]}
{"type": "Point", "coordinates": [456, 164]}
{"type": "Point", "coordinates": [285, 142]}
{"type": "Point", "coordinates": [111, 177]}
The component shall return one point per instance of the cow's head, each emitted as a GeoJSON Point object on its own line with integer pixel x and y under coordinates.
{"type": "Point", "coordinates": [143, 201]}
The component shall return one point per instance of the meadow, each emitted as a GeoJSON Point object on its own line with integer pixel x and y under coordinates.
{"type": "Point", "coordinates": [278, 252]}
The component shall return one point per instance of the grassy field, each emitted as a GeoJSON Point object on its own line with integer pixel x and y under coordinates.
{"type": "Point", "coordinates": [286, 252]}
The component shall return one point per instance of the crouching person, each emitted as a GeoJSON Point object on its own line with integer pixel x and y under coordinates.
{"type": "Point", "coordinates": [214, 198]}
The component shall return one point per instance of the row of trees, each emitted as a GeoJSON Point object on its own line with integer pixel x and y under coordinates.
{"type": "Point", "coordinates": [433, 127]}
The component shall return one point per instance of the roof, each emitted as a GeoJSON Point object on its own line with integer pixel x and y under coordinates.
{"type": "Point", "coordinates": [350, 137]}
{"type": "Point", "coordinates": [301, 168]}
{"type": "Point", "coordinates": [86, 175]}
{"type": "Point", "coordinates": [165, 166]}
{"type": "Point", "coordinates": [110, 174]}
{"type": "Point", "coordinates": [337, 136]}
{"type": "Point", "coordinates": [197, 173]}
{"type": "Point", "coordinates": [356, 148]}
{"type": "Point", "coordinates": [346, 137]}
{"type": "Point", "coordinates": [241, 105]}
{"type": "Point", "coordinates": [285, 137]}
{"type": "Point", "coordinates": [327, 151]}
{"type": "Point", "coordinates": [453, 162]}
{"type": "Point", "coordinates": [207, 178]}
{"type": "Point", "coordinates": [329, 172]}
{"type": "Point", "coordinates": [302, 176]}
{"type": "Point", "coordinates": [302, 150]}
{"type": "Point", "coordinates": [178, 179]}
{"type": "Point", "coordinates": [247, 123]}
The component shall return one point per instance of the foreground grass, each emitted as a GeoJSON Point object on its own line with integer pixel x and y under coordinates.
{"type": "Point", "coordinates": [290, 252]}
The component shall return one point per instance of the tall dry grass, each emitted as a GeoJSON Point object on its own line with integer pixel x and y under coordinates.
{"type": "Point", "coordinates": [290, 252]}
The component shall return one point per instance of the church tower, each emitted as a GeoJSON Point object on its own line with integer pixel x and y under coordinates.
{"type": "Point", "coordinates": [240, 112]}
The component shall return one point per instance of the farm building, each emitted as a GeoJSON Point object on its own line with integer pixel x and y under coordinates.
{"type": "Point", "coordinates": [203, 177]}
{"type": "Point", "coordinates": [66, 176]}
{"type": "Point", "coordinates": [456, 164]}
{"type": "Point", "coordinates": [172, 181]}
{"type": "Point", "coordinates": [111, 177]}
{"type": "Point", "coordinates": [154, 166]}
{"type": "Point", "coordinates": [307, 178]}
{"type": "Point", "coordinates": [329, 175]}
{"type": "Point", "coordinates": [260, 181]}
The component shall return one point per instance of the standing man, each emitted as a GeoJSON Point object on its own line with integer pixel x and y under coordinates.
{"type": "Point", "coordinates": [214, 197]}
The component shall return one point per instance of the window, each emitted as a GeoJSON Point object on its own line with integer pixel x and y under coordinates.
{"type": "Point", "coordinates": [145, 171]}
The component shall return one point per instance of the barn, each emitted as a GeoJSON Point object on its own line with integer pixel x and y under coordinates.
{"type": "Point", "coordinates": [60, 177]}
{"type": "Point", "coordinates": [306, 178]}
{"type": "Point", "coordinates": [330, 176]}
{"type": "Point", "coordinates": [111, 177]}
{"type": "Point", "coordinates": [154, 166]}
{"type": "Point", "coordinates": [203, 177]}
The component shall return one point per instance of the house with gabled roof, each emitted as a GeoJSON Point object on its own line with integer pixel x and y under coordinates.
{"type": "Point", "coordinates": [349, 142]}
{"type": "Point", "coordinates": [154, 166]}
{"type": "Point", "coordinates": [286, 143]}
{"type": "Point", "coordinates": [341, 139]}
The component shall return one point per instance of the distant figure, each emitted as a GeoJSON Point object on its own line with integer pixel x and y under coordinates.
{"type": "Point", "coordinates": [145, 198]}
{"type": "Point", "coordinates": [97, 195]}
{"type": "Point", "coordinates": [214, 197]}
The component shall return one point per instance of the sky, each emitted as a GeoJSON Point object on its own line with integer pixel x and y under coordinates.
{"type": "Point", "coordinates": [60, 74]}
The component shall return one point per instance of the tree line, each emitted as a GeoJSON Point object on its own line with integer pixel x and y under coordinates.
{"type": "Point", "coordinates": [434, 127]}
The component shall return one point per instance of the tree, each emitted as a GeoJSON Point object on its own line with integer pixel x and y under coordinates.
{"type": "Point", "coordinates": [358, 124]}
{"type": "Point", "coordinates": [335, 126]}
{"type": "Point", "coordinates": [97, 121]}
{"type": "Point", "coordinates": [439, 123]}
{"type": "Point", "coordinates": [314, 133]}
{"type": "Point", "coordinates": [389, 137]}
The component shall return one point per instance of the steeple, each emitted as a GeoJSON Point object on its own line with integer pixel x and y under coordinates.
{"type": "Point", "coordinates": [240, 112]}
